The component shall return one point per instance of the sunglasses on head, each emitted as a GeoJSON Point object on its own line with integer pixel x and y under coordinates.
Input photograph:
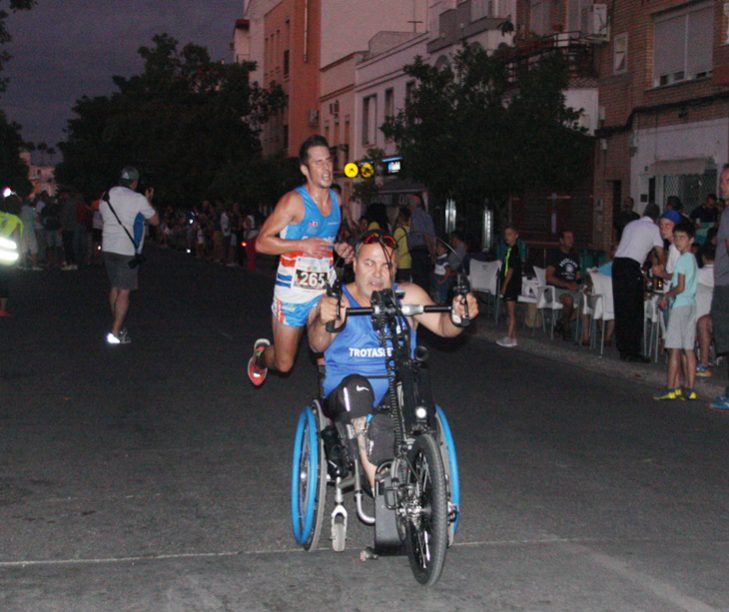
{"type": "Point", "coordinates": [378, 237]}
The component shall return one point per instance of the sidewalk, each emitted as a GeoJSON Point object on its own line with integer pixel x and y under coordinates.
{"type": "Point", "coordinates": [538, 343]}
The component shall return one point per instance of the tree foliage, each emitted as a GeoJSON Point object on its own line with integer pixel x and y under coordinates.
{"type": "Point", "coordinates": [13, 170]}
{"type": "Point", "coordinates": [187, 123]}
{"type": "Point", "coordinates": [470, 134]}
{"type": "Point", "coordinates": [5, 37]}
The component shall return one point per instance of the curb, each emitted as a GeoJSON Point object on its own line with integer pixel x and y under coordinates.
{"type": "Point", "coordinates": [648, 374]}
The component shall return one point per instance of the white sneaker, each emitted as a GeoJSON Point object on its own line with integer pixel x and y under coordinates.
{"type": "Point", "coordinates": [121, 338]}
{"type": "Point", "coordinates": [506, 342]}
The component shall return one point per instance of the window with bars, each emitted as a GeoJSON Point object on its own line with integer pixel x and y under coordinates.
{"type": "Point", "coordinates": [683, 42]}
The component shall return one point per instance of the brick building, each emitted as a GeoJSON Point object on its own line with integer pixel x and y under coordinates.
{"type": "Point", "coordinates": [664, 91]}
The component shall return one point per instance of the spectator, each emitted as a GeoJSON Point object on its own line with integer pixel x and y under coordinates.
{"type": "Point", "coordinates": [400, 234]}
{"type": "Point", "coordinates": [51, 219]}
{"type": "Point", "coordinates": [720, 300]}
{"type": "Point", "coordinates": [639, 238]}
{"type": "Point", "coordinates": [124, 212]}
{"type": "Point", "coordinates": [625, 216]}
{"type": "Point", "coordinates": [40, 232]}
{"type": "Point", "coordinates": [458, 258]}
{"type": "Point", "coordinates": [563, 272]}
{"type": "Point", "coordinates": [377, 216]}
{"type": "Point", "coordinates": [674, 203]}
{"type": "Point", "coordinates": [681, 332]}
{"type": "Point", "coordinates": [704, 329]}
{"type": "Point", "coordinates": [250, 234]}
{"type": "Point", "coordinates": [665, 265]}
{"type": "Point", "coordinates": [29, 241]}
{"type": "Point", "coordinates": [81, 231]}
{"type": "Point", "coordinates": [97, 224]}
{"type": "Point", "coordinates": [441, 274]}
{"type": "Point", "coordinates": [510, 284]}
{"type": "Point", "coordinates": [68, 227]}
{"type": "Point", "coordinates": [705, 217]}
{"type": "Point", "coordinates": [421, 241]}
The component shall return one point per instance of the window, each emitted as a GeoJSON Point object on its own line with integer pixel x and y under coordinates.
{"type": "Point", "coordinates": [389, 103]}
{"type": "Point", "coordinates": [620, 54]}
{"type": "Point", "coordinates": [369, 120]}
{"type": "Point", "coordinates": [286, 63]}
{"type": "Point", "coordinates": [683, 44]}
{"type": "Point", "coordinates": [574, 17]}
{"type": "Point", "coordinates": [540, 17]}
{"type": "Point", "coordinates": [409, 89]}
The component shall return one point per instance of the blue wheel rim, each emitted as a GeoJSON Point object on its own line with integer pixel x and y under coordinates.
{"type": "Point", "coordinates": [453, 461]}
{"type": "Point", "coordinates": [302, 519]}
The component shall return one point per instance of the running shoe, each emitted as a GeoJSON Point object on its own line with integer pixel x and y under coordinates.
{"type": "Point", "coordinates": [668, 394]}
{"type": "Point", "coordinates": [506, 342]}
{"type": "Point", "coordinates": [721, 402]}
{"type": "Point", "coordinates": [121, 338]}
{"type": "Point", "coordinates": [703, 371]}
{"type": "Point", "coordinates": [689, 394]}
{"type": "Point", "coordinates": [256, 373]}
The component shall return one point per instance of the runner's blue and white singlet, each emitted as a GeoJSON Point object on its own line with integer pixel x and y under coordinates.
{"type": "Point", "coordinates": [357, 350]}
{"type": "Point", "coordinates": [300, 278]}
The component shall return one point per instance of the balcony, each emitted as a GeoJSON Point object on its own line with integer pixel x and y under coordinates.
{"type": "Point", "coordinates": [577, 51]}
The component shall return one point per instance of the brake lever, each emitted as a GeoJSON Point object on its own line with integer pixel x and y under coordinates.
{"type": "Point", "coordinates": [462, 288]}
{"type": "Point", "coordinates": [335, 290]}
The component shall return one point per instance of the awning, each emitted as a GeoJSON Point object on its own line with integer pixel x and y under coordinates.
{"type": "Point", "coordinates": [678, 167]}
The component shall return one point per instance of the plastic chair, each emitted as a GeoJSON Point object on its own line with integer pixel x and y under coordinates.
{"type": "Point", "coordinates": [654, 326]}
{"type": "Point", "coordinates": [603, 307]}
{"type": "Point", "coordinates": [484, 278]}
{"type": "Point", "coordinates": [544, 296]}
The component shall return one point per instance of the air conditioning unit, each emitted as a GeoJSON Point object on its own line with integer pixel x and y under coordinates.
{"type": "Point", "coordinates": [595, 22]}
{"type": "Point", "coordinates": [314, 117]}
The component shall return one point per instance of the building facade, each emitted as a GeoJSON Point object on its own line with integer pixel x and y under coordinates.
{"type": "Point", "coordinates": [664, 88]}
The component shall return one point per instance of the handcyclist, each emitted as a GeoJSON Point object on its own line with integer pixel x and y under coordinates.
{"type": "Point", "coordinates": [356, 375]}
{"type": "Point", "coordinates": [302, 230]}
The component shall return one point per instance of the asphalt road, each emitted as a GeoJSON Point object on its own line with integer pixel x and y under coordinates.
{"type": "Point", "coordinates": [154, 477]}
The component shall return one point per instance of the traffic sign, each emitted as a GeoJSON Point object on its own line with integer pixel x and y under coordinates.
{"type": "Point", "coordinates": [367, 170]}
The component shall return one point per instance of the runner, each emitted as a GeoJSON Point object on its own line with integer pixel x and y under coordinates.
{"type": "Point", "coordinates": [302, 230]}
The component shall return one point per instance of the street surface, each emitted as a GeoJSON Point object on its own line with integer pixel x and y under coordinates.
{"type": "Point", "coordinates": [154, 477]}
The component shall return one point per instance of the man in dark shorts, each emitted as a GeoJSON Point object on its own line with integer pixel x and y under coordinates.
{"type": "Point", "coordinates": [124, 212]}
{"type": "Point", "coordinates": [720, 300]}
{"type": "Point", "coordinates": [563, 272]}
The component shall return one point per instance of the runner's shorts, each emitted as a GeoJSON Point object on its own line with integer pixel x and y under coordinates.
{"type": "Point", "coordinates": [120, 274]}
{"type": "Point", "coordinates": [293, 315]}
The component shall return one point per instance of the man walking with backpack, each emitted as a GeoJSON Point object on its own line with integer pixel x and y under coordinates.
{"type": "Point", "coordinates": [124, 212]}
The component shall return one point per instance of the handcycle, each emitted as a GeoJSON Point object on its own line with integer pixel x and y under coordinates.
{"type": "Point", "coordinates": [416, 495]}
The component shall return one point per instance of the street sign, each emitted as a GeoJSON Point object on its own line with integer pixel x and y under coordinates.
{"type": "Point", "coordinates": [351, 170]}
{"type": "Point", "coordinates": [367, 170]}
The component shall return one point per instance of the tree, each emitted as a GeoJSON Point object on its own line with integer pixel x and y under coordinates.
{"type": "Point", "coordinates": [469, 134]}
{"type": "Point", "coordinates": [13, 170]}
{"type": "Point", "coordinates": [5, 38]}
{"type": "Point", "coordinates": [183, 121]}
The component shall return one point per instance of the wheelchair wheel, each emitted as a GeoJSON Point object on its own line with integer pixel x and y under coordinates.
{"type": "Point", "coordinates": [308, 479]}
{"type": "Point", "coordinates": [425, 510]}
{"type": "Point", "coordinates": [450, 463]}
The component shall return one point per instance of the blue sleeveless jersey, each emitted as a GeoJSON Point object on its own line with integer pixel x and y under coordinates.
{"type": "Point", "coordinates": [300, 278]}
{"type": "Point", "coordinates": [357, 350]}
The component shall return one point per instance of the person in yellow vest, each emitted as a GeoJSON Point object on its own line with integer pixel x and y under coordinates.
{"type": "Point", "coordinates": [11, 232]}
{"type": "Point", "coordinates": [404, 260]}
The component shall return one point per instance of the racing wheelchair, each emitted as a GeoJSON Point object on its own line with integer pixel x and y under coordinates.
{"type": "Point", "coordinates": [416, 495]}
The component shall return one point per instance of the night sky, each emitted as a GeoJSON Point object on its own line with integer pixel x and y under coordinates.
{"type": "Point", "coordinates": [63, 49]}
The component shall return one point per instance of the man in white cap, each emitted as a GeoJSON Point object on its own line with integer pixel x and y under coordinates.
{"type": "Point", "coordinates": [124, 212]}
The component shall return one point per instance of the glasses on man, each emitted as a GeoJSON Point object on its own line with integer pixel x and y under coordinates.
{"type": "Point", "coordinates": [378, 237]}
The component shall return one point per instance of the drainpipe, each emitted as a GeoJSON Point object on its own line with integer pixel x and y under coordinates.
{"type": "Point", "coordinates": [306, 31]}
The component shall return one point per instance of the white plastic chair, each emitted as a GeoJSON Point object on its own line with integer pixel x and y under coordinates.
{"type": "Point", "coordinates": [603, 306]}
{"type": "Point", "coordinates": [654, 326]}
{"type": "Point", "coordinates": [543, 295]}
{"type": "Point", "coordinates": [484, 278]}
